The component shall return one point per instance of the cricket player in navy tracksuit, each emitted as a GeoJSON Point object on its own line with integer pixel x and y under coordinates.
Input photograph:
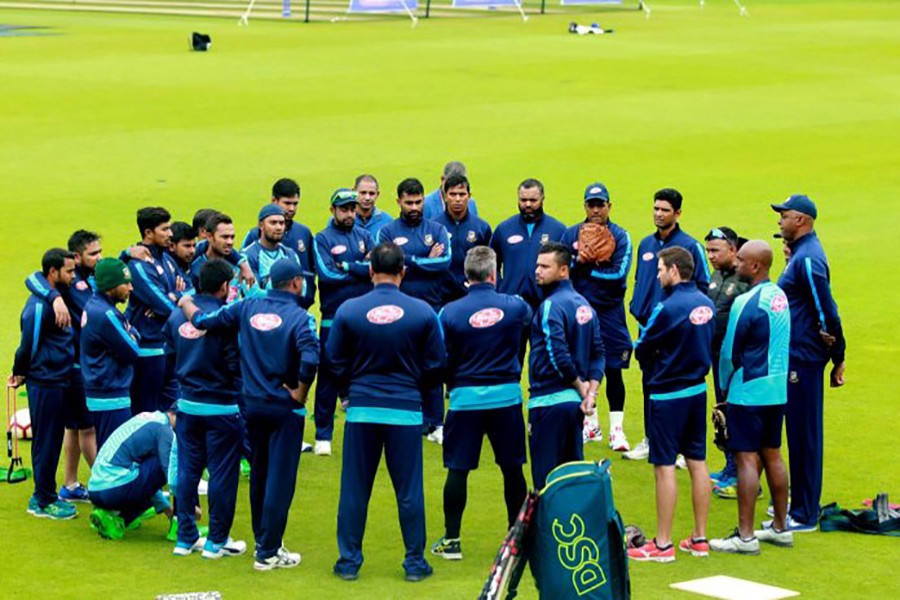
{"type": "Point", "coordinates": [565, 366]}
{"type": "Point", "coordinates": [209, 427]}
{"type": "Point", "coordinates": [676, 344]}
{"type": "Point", "coordinates": [427, 253]}
{"type": "Point", "coordinates": [436, 203]}
{"type": "Point", "coordinates": [753, 369]}
{"type": "Point", "coordinates": [647, 289]}
{"type": "Point", "coordinates": [482, 333]}
{"type": "Point", "coordinates": [465, 231]}
{"type": "Point", "coordinates": [129, 473]}
{"type": "Point", "coordinates": [814, 319]}
{"type": "Point", "coordinates": [156, 290]}
{"type": "Point", "coordinates": [69, 302]}
{"type": "Point", "coordinates": [279, 358]}
{"type": "Point", "coordinates": [297, 236]}
{"type": "Point", "coordinates": [368, 216]}
{"type": "Point", "coordinates": [388, 346]}
{"type": "Point", "coordinates": [110, 349]}
{"type": "Point", "coordinates": [264, 252]}
{"type": "Point", "coordinates": [603, 285]}
{"type": "Point", "coordinates": [44, 362]}
{"type": "Point", "coordinates": [341, 251]}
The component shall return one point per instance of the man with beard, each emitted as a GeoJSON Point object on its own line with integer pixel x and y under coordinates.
{"type": "Point", "coordinates": [436, 201]}
{"type": "Point", "coordinates": [268, 249]}
{"type": "Point", "coordinates": [297, 236]}
{"type": "Point", "coordinates": [517, 241]}
{"type": "Point", "coordinates": [647, 289]}
{"type": "Point", "coordinates": [182, 248]}
{"type": "Point", "coordinates": [565, 366]}
{"type": "Point", "coordinates": [603, 285]}
{"type": "Point", "coordinates": [427, 255]}
{"type": "Point", "coordinates": [110, 350]}
{"type": "Point", "coordinates": [368, 216]}
{"type": "Point", "coordinates": [220, 232]}
{"type": "Point", "coordinates": [465, 231]}
{"type": "Point", "coordinates": [45, 359]}
{"type": "Point", "coordinates": [342, 251]}
{"type": "Point", "coordinates": [80, 437]}
{"type": "Point", "coordinates": [237, 259]}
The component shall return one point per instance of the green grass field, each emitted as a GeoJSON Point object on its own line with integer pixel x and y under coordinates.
{"type": "Point", "coordinates": [113, 113]}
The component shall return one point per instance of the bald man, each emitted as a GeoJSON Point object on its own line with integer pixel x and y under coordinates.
{"type": "Point", "coordinates": [753, 371]}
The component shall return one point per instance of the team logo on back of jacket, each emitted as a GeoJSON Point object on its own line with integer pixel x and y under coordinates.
{"type": "Point", "coordinates": [265, 321]}
{"type": "Point", "coordinates": [583, 314]}
{"type": "Point", "coordinates": [384, 315]}
{"type": "Point", "coordinates": [189, 332]}
{"type": "Point", "coordinates": [486, 317]}
{"type": "Point", "coordinates": [701, 315]}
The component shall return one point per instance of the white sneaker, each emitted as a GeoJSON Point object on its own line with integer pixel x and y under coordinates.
{"type": "Point", "coordinates": [639, 452]}
{"type": "Point", "coordinates": [591, 433]}
{"type": "Point", "coordinates": [437, 436]}
{"type": "Point", "coordinates": [617, 440]}
{"type": "Point", "coordinates": [734, 544]}
{"type": "Point", "coordinates": [792, 525]}
{"type": "Point", "coordinates": [784, 538]}
{"type": "Point", "coordinates": [323, 448]}
{"type": "Point", "coordinates": [203, 488]}
{"type": "Point", "coordinates": [306, 447]}
{"type": "Point", "coordinates": [282, 560]}
{"type": "Point", "coordinates": [184, 550]}
{"type": "Point", "coordinates": [229, 548]}
{"type": "Point", "coordinates": [680, 463]}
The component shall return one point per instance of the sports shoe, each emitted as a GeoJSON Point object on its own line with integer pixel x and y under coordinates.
{"type": "Point", "coordinates": [348, 576]}
{"type": "Point", "coordinates": [107, 524]}
{"type": "Point", "coordinates": [728, 490]}
{"type": "Point", "coordinates": [56, 511]}
{"type": "Point", "coordinates": [417, 576]}
{"type": "Point", "coordinates": [617, 440]}
{"type": "Point", "coordinates": [447, 548]}
{"type": "Point", "coordinates": [283, 559]}
{"type": "Point", "coordinates": [771, 509]}
{"type": "Point", "coordinates": [77, 494]}
{"type": "Point", "coordinates": [187, 548]}
{"type": "Point", "coordinates": [437, 435]}
{"type": "Point", "coordinates": [323, 448]}
{"type": "Point", "coordinates": [770, 535]}
{"type": "Point", "coordinates": [650, 552]}
{"type": "Point", "coordinates": [591, 433]}
{"type": "Point", "coordinates": [144, 516]}
{"type": "Point", "coordinates": [639, 452]}
{"type": "Point", "coordinates": [229, 548]}
{"type": "Point", "coordinates": [794, 526]}
{"type": "Point", "coordinates": [245, 468]}
{"type": "Point", "coordinates": [725, 473]}
{"type": "Point", "coordinates": [735, 544]}
{"type": "Point", "coordinates": [680, 462]}
{"type": "Point", "coordinates": [306, 447]}
{"type": "Point", "coordinates": [696, 546]}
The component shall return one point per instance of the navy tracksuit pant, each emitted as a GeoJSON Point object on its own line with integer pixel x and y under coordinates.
{"type": "Point", "coordinates": [135, 497]}
{"type": "Point", "coordinates": [215, 442]}
{"type": "Point", "coordinates": [555, 438]}
{"type": "Point", "coordinates": [154, 386]}
{"type": "Point", "coordinates": [276, 438]}
{"type": "Point", "coordinates": [326, 391]}
{"type": "Point", "coordinates": [805, 435]}
{"type": "Point", "coordinates": [48, 417]}
{"type": "Point", "coordinates": [107, 421]}
{"type": "Point", "coordinates": [363, 445]}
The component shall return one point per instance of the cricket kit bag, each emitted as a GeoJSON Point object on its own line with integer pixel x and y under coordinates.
{"type": "Point", "coordinates": [577, 548]}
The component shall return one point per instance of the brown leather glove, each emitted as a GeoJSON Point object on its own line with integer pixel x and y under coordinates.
{"type": "Point", "coordinates": [596, 243]}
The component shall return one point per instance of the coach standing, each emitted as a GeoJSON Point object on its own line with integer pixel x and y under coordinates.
{"type": "Point", "coordinates": [565, 366]}
{"type": "Point", "coordinates": [807, 282]}
{"type": "Point", "coordinates": [387, 345]}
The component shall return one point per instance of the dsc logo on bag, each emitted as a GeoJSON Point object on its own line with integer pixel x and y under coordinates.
{"type": "Point", "coordinates": [579, 554]}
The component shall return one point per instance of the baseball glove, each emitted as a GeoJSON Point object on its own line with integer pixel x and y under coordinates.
{"type": "Point", "coordinates": [720, 436]}
{"type": "Point", "coordinates": [596, 243]}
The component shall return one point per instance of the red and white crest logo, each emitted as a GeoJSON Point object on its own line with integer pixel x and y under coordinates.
{"type": "Point", "coordinates": [486, 317]}
{"type": "Point", "coordinates": [400, 241]}
{"type": "Point", "coordinates": [779, 303]}
{"type": "Point", "coordinates": [575, 245]}
{"type": "Point", "coordinates": [189, 332]}
{"type": "Point", "coordinates": [514, 239]}
{"type": "Point", "coordinates": [384, 315]}
{"type": "Point", "coordinates": [265, 321]}
{"type": "Point", "coordinates": [584, 314]}
{"type": "Point", "coordinates": [338, 250]}
{"type": "Point", "coordinates": [701, 315]}
{"type": "Point", "coordinates": [81, 285]}
{"type": "Point", "coordinates": [648, 256]}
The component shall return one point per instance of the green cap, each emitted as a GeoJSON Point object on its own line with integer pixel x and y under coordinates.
{"type": "Point", "coordinates": [110, 273]}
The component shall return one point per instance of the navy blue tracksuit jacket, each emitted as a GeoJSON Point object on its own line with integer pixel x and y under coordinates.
{"type": "Point", "coordinates": [46, 353]}
{"type": "Point", "coordinates": [516, 243]}
{"type": "Point", "coordinates": [154, 296]}
{"type": "Point", "coordinates": [424, 275]}
{"type": "Point", "coordinates": [464, 235]}
{"type": "Point", "coordinates": [647, 291]}
{"type": "Point", "coordinates": [342, 265]}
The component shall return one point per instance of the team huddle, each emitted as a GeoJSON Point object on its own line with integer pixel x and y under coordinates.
{"type": "Point", "coordinates": [425, 324]}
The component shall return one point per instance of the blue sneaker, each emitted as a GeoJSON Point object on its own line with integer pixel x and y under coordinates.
{"type": "Point", "coordinates": [77, 494]}
{"type": "Point", "coordinates": [793, 525]}
{"type": "Point", "coordinates": [57, 511]}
